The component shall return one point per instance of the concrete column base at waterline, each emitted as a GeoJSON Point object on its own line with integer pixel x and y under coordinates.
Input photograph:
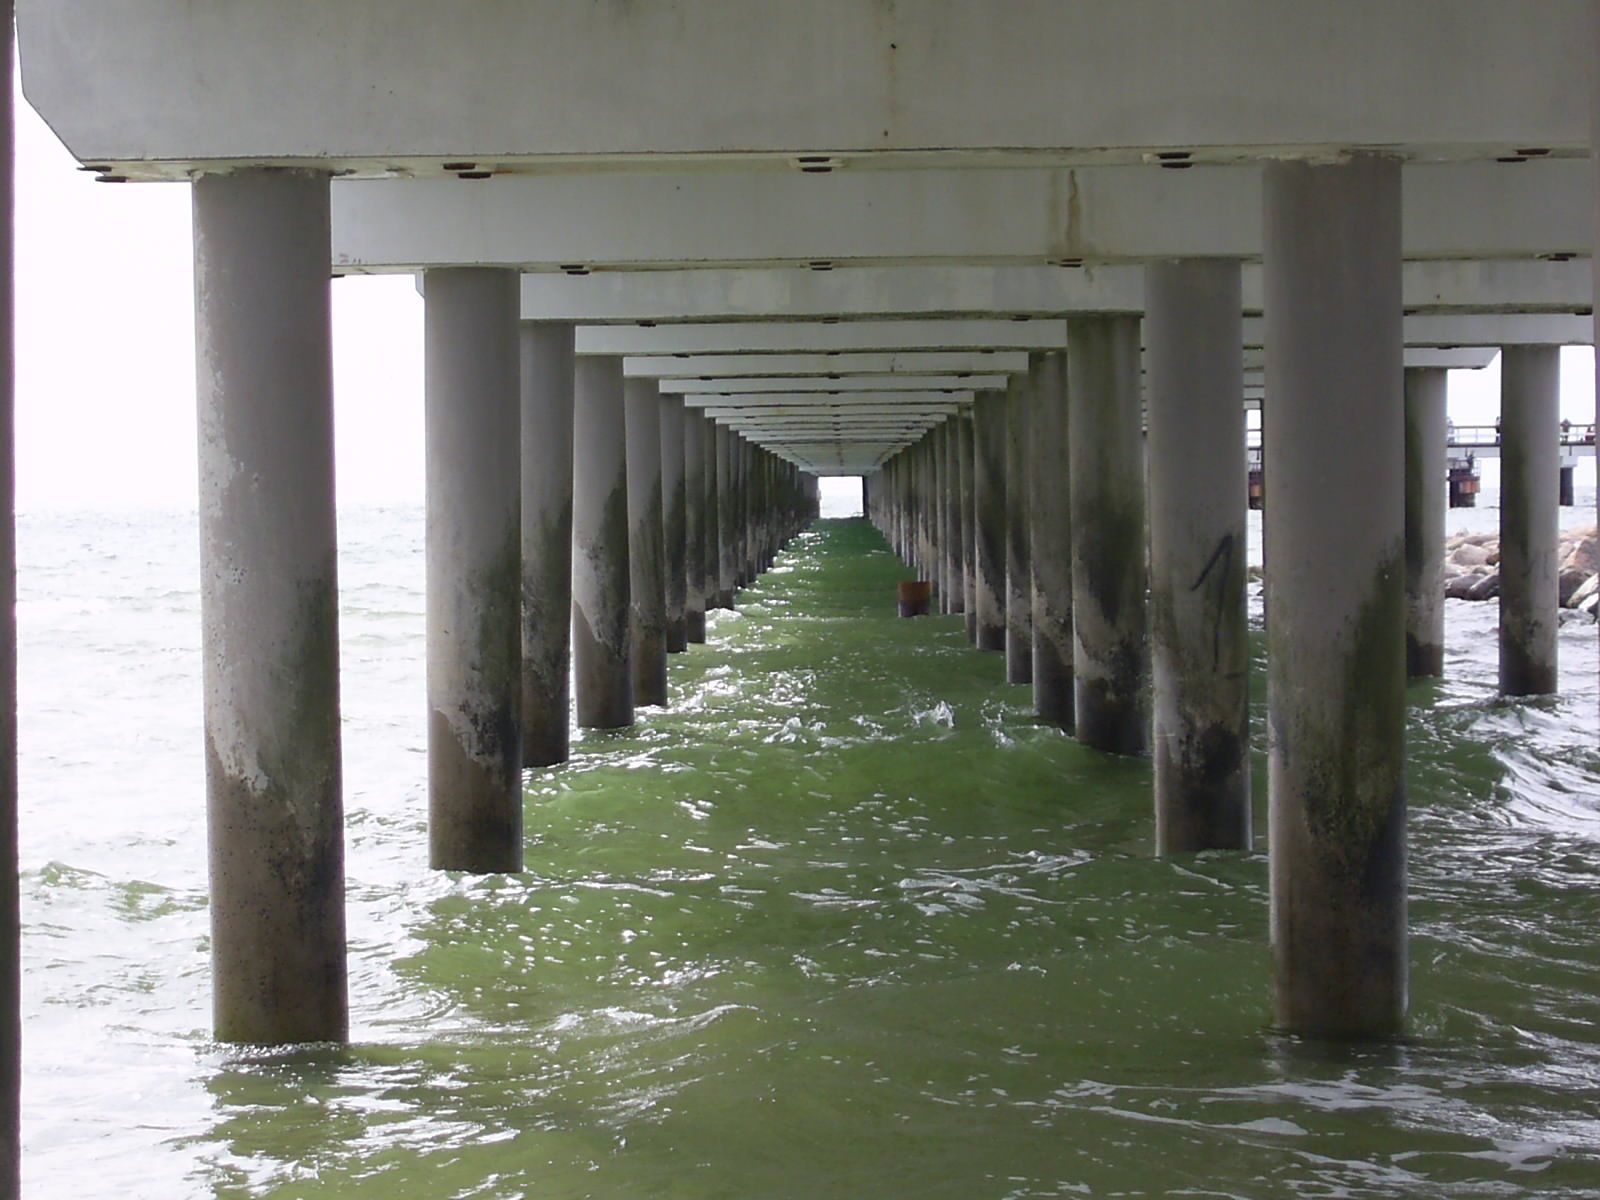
{"type": "Point", "coordinates": [674, 524]}
{"type": "Point", "coordinates": [1019, 535]}
{"type": "Point", "coordinates": [269, 606]}
{"type": "Point", "coordinates": [696, 594]}
{"type": "Point", "coordinates": [647, 581]}
{"type": "Point", "coordinates": [1530, 520]}
{"type": "Point", "coordinates": [1106, 445]}
{"type": "Point", "coordinates": [989, 517]}
{"type": "Point", "coordinates": [547, 365]}
{"type": "Point", "coordinates": [1199, 650]}
{"type": "Point", "coordinates": [602, 665]}
{"type": "Point", "coordinates": [1050, 510]}
{"type": "Point", "coordinates": [1336, 762]}
{"type": "Point", "coordinates": [1427, 459]}
{"type": "Point", "coordinates": [474, 555]}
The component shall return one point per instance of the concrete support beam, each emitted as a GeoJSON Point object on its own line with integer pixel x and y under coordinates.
{"type": "Point", "coordinates": [646, 551]}
{"type": "Point", "coordinates": [474, 556]}
{"type": "Point", "coordinates": [1199, 650]}
{"type": "Point", "coordinates": [547, 363]}
{"type": "Point", "coordinates": [1050, 509]}
{"type": "Point", "coordinates": [809, 337]}
{"type": "Point", "coordinates": [696, 586]}
{"type": "Point", "coordinates": [1105, 439]}
{"type": "Point", "coordinates": [989, 517]}
{"type": "Point", "coordinates": [1024, 215]}
{"type": "Point", "coordinates": [759, 366]}
{"type": "Point", "coordinates": [1530, 462]}
{"type": "Point", "coordinates": [269, 609]}
{"type": "Point", "coordinates": [1426, 391]}
{"type": "Point", "coordinates": [602, 661]}
{"type": "Point", "coordinates": [532, 85]}
{"type": "Point", "coordinates": [1036, 291]}
{"type": "Point", "coordinates": [1019, 534]}
{"type": "Point", "coordinates": [1336, 643]}
{"type": "Point", "coordinates": [674, 523]}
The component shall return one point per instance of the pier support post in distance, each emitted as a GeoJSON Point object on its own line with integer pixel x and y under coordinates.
{"type": "Point", "coordinates": [1427, 459]}
{"type": "Point", "coordinates": [602, 661]}
{"type": "Point", "coordinates": [1019, 534]}
{"type": "Point", "coordinates": [1530, 519]}
{"type": "Point", "coordinates": [1050, 506]}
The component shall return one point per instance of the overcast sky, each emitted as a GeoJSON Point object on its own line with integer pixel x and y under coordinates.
{"type": "Point", "coordinates": [105, 351]}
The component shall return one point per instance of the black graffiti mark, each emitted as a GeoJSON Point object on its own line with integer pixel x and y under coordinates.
{"type": "Point", "coordinates": [1222, 554]}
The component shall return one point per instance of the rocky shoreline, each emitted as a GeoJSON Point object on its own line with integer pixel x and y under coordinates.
{"type": "Point", "coordinates": [1471, 570]}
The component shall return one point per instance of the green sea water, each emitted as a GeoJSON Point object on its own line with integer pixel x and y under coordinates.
{"type": "Point", "coordinates": [843, 921]}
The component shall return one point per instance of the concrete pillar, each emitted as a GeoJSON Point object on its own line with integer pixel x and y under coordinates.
{"type": "Point", "coordinates": [474, 563]}
{"type": "Point", "coordinates": [10, 926]}
{"type": "Point", "coordinates": [1110, 652]}
{"type": "Point", "coordinates": [1427, 463]}
{"type": "Point", "coordinates": [547, 353]}
{"type": "Point", "coordinates": [674, 523]}
{"type": "Point", "coordinates": [989, 516]}
{"type": "Point", "coordinates": [752, 510]}
{"type": "Point", "coordinates": [955, 573]}
{"type": "Point", "coordinates": [727, 519]}
{"type": "Point", "coordinates": [1019, 535]}
{"type": "Point", "coordinates": [1336, 639]}
{"type": "Point", "coordinates": [602, 662]}
{"type": "Point", "coordinates": [269, 605]}
{"type": "Point", "coordinates": [1530, 520]}
{"type": "Point", "coordinates": [647, 578]}
{"type": "Point", "coordinates": [696, 594]}
{"type": "Point", "coordinates": [1050, 507]}
{"type": "Point", "coordinates": [1199, 649]}
{"type": "Point", "coordinates": [967, 517]}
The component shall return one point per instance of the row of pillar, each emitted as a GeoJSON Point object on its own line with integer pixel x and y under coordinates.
{"type": "Point", "coordinates": [1138, 654]}
{"type": "Point", "coordinates": [579, 525]}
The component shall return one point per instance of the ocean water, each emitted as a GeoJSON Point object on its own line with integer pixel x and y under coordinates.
{"type": "Point", "coordinates": [839, 922]}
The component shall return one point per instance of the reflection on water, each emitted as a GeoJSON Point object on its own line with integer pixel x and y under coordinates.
{"type": "Point", "coordinates": [842, 921]}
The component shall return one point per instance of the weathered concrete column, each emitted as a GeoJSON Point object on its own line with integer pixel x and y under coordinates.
{"type": "Point", "coordinates": [955, 572]}
{"type": "Point", "coordinates": [547, 354]}
{"type": "Point", "coordinates": [968, 524]}
{"type": "Point", "coordinates": [1110, 652]}
{"type": "Point", "coordinates": [989, 516]}
{"type": "Point", "coordinates": [1427, 463]}
{"type": "Point", "coordinates": [696, 594]}
{"type": "Point", "coordinates": [647, 579]}
{"type": "Point", "coordinates": [474, 562]}
{"type": "Point", "coordinates": [269, 604]}
{"type": "Point", "coordinates": [1019, 534]}
{"type": "Point", "coordinates": [1336, 640]}
{"type": "Point", "coordinates": [1050, 509]}
{"type": "Point", "coordinates": [602, 661]}
{"type": "Point", "coordinates": [1530, 520]}
{"type": "Point", "coordinates": [727, 519]}
{"type": "Point", "coordinates": [1199, 647]}
{"type": "Point", "coordinates": [674, 522]}
{"type": "Point", "coordinates": [10, 919]}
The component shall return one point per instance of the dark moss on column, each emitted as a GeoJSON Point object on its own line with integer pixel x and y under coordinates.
{"type": "Point", "coordinates": [1050, 509]}
{"type": "Point", "coordinates": [1426, 463]}
{"type": "Point", "coordinates": [474, 568]}
{"type": "Point", "coordinates": [1110, 650]}
{"type": "Point", "coordinates": [647, 580]}
{"type": "Point", "coordinates": [1530, 389]}
{"type": "Point", "coordinates": [1200, 656]}
{"type": "Point", "coordinates": [602, 665]}
{"type": "Point", "coordinates": [1336, 642]}
{"type": "Point", "coordinates": [989, 517]}
{"type": "Point", "coordinates": [547, 357]}
{"type": "Point", "coordinates": [696, 592]}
